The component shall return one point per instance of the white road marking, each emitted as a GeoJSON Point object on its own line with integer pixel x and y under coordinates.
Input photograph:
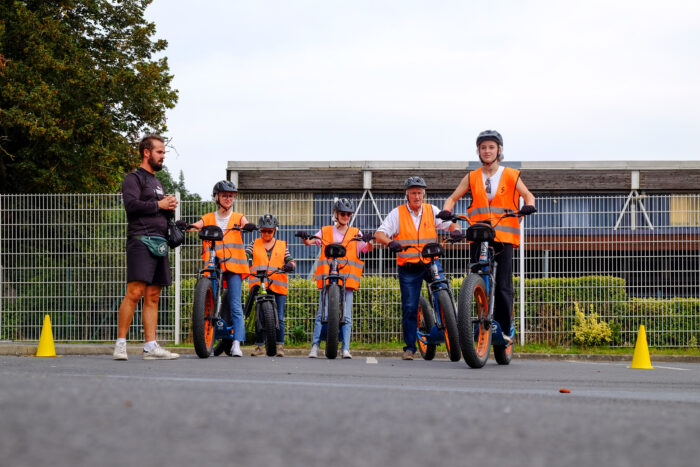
{"type": "Point", "coordinates": [624, 394]}
{"type": "Point", "coordinates": [372, 360]}
{"type": "Point", "coordinates": [671, 368]}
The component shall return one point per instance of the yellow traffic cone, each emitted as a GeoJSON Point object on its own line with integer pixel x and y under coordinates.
{"type": "Point", "coordinates": [46, 347]}
{"type": "Point", "coordinates": [640, 359]}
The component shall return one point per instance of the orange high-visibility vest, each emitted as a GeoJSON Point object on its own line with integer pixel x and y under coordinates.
{"type": "Point", "coordinates": [408, 236]}
{"type": "Point", "coordinates": [232, 250]}
{"type": "Point", "coordinates": [278, 281]}
{"type": "Point", "coordinates": [508, 229]}
{"type": "Point", "coordinates": [350, 265]}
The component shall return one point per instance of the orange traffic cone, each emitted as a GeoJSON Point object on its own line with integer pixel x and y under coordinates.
{"type": "Point", "coordinates": [640, 359]}
{"type": "Point", "coordinates": [46, 347]}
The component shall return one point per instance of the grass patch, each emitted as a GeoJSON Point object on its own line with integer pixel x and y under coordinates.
{"type": "Point", "coordinates": [576, 350]}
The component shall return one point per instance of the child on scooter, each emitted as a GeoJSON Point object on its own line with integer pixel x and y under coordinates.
{"type": "Point", "coordinates": [339, 232]}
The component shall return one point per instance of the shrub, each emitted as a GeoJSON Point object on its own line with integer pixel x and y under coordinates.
{"type": "Point", "coordinates": [588, 331]}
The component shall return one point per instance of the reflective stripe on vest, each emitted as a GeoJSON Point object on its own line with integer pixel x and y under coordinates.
{"type": "Point", "coordinates": [408, 236]}
{"type": "Point", "coordinates": [350, 266]}
{"type": "Point", "coordinates": [508, 229]}
{"type": "Point", "coordinates": [278, 281]}
{"type": "Point", "coordinates": [231, 251]}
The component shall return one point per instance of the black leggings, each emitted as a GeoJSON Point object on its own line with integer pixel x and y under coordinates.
{"type": "Point", "coordinates": [503, 308]}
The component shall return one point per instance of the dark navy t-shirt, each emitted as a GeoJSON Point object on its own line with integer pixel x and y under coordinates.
{"type": "Point", "coordinates": [141, 191]}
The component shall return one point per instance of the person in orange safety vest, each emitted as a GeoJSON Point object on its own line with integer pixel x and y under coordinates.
{"type": "Point", "coordinates": [340, 232]}
{"type": "Point", "coordinates": [231, 252]}
{"type": "Point", "coordinates": [494, 190]}
{"type": "Point", "coordinates": [412, 224]}
{"type": "Point", "coordinates": [267, 254]}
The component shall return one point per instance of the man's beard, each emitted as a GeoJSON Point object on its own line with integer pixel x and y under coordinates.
{"type": "Point", "coordinates": [155, 165]}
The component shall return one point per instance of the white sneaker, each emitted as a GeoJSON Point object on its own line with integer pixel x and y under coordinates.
{"type": "Point", "coordinates": [346, 354]}
{"type": "Point", "coordinates": [236, 350]}
{"type": "Point", "coordinates": [120, 351]}
{"type": "Point", "coordinates": [159, 353]}
{"type": "Point", "coordinates": [314, 351]}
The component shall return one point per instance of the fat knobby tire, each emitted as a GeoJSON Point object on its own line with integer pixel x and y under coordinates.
{"type": "Point", "coordinates": [447, 314]}
{"type": "Point", "coordinates": [203, 310]}
{"type": "Point", "coordinates": [503, 353]}
{"type": "Point", "coordinates": [473, 305]}
{"type": "Point", "coordinates": [269, 328]}
{"type": "Point", "coordinates": [223, 346]}
{"type": "Point", "coordinates": [333, 317]}
{"type": "Point", "coordinates": [425, 324]}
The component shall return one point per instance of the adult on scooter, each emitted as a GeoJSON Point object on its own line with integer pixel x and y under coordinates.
{"type": "Point", "coordinates": [413, 224]}
{"type": "Point", "coordinates": [495, 189]}
{"type": "Point", "coordinates": [231, 252]}
{"type": "Point", "coordinates": [268, 253]}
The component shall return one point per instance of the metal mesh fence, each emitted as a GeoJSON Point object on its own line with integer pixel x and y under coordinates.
{"type": "Point", "coordinates": [629, 259]}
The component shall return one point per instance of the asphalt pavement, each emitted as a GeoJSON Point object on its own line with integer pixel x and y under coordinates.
{"type": "Point", "coordinates": [368, 411]}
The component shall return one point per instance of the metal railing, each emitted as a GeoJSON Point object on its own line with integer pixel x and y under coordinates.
{"type": "Point", "coordinates": [630, 261]}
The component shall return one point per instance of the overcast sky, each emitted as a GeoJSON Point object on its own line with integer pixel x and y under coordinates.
{"type": "Point", "coordinates": [290, 80]}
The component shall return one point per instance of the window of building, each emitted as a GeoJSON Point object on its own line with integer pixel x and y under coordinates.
{"type": "Point", "coordinates": [684, 210]}
{"type": "Point", "coordinates": [295, 208]}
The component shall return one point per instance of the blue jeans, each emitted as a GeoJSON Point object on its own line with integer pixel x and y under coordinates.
{"type": "Point", "coordinates": [411, 284]}
{"type": "Point", "coordinates": [280, 300]}
{"type": "Point", "coordinates": [345, 330]}
{"type": "Point", "coordinates": [234, 282]}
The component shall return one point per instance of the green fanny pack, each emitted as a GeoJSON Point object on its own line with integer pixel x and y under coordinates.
{"type": "Point", "coordinates": [158, 246]}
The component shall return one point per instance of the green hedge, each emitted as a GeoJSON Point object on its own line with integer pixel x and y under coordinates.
{"type": "Point", "coordinates": [549, 311]}
{"type": "Point", "coordinates": [673, 322]}
{"type": "Point", "coordinates": [549, 305]}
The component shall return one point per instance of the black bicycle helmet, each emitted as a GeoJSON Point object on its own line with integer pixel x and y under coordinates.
{"type": "Point", "coordinates": [414, 181]}
{"type": "Point", "coordinates": [343, 205]}
{"type": "Point", "coordinates": [489, 135]}
{"type": "Point", "coordinates": [224, 186]}
{"type": "Point", "coordinates": [268, 221]}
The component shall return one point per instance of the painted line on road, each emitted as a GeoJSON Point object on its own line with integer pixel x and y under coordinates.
{"type": "Point", "coordinates": [672, 368]}
{"type": "Point", "coordinates": [693, 397]}
{"type": "Point", "coordinates": [372, 360]}
{"type": "Point", "coordinates": [626, 365]}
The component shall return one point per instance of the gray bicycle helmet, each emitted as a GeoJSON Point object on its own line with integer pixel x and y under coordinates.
{"type": "Point", "coordinates": [343, 205]}
{"type": "Point", "coordinates": [224, 186]}
{"type": "Point", "coordinates": [489, 135]}
{"type": "Point", "coordinates": [414, 181]}
{"type": "Point", "coordinates": [268, 221]}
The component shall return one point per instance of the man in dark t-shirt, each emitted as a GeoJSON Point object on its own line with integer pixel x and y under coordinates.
{"type": "Point", "coordinates": [147, 211]}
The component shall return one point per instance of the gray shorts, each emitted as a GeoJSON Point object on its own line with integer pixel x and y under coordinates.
{"type": "Point", "coordinates": [142, 266]}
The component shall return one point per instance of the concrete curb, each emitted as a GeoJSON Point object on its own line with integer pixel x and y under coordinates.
{"type": "Point", "coordinates": [24, 349]}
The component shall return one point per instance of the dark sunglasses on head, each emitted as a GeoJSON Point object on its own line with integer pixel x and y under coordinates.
{"type": "Point", "coordinates": [346, 214]}
{"type": "Point", "coordinates": [266, 231]}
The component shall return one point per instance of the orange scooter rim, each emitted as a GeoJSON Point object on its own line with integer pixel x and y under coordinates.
{"type": "Point", "coordinates": [447, 337]}
{"type": "Point", "coordinates": [208, 324]}
{"type": "Point", "coordinates": [423, 347]}
{"type": "Point", "coordinates": [482, 340]}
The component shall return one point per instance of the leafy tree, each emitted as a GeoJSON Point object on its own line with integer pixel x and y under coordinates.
{"type": "Point", "coordinates": [78, 87]}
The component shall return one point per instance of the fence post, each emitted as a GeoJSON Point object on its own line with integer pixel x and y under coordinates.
{"type": "Point", "coordinates": [178, 283]}
{"type": "Point", "coordinates": [1, 272]}
{"type": "Point", "coordinates": [522, 279]}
